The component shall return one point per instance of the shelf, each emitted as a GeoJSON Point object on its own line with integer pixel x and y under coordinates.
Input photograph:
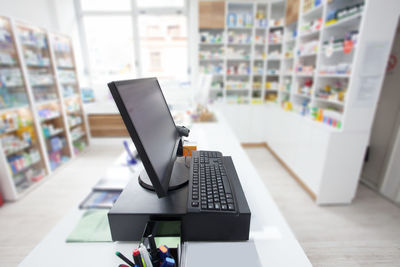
{"type": "Point", "coordinates": [336, 50]}
{"type": "Point", "coordinates": [275, 44]}
{"type": "Point", "coordinates": [313, 11]}
{"type": "Point", "coordinates": [71, 97]}
{"type": "Point", "coordinates": [288, 58]}
{"type": "Point", "coordinates": [301, 95]}
{"type": "Point", "coordinates": [305, 75]}
{"type": "Point", "coordinates": [38, 66]}
{"type": "Point", "coordinates": [290, 40]}
{"type": "Point", "coordinates": [274, 59]}
{"type": "Point", "coordinates": [275, 27]}
{"type": "Point", "coordinates": [211, 44]}
{"type": "Point", "coordinates": [309, 34]}
{"type": "Point", "coordinates": [270, 74]}
{"type": "Point", "coordinates": [80, 123]}
{"type": "Point", "coordinates": [240, 28]}
{"type": "Point", "coordinates": [335, 102]}
{"type": "Point", "coordinates": [334, 75]}
{"type": "Point", "coordinates": [344, 22]}
{"type": "Point", "coordinates": [57, 132]}
{"type": "Point", "coordinates": [237, 59]}
{"type": "Point", "coordinates": [27, 167]}
{"type": "Point", "coordinates": [47, 102]}
{"type": "Point", "coordinates": [309, 55]}
{"type": "Point", "coordinates": [50, 118]}
{"type": "Point", "coordinates": [238, 75]}
{"type": "Point", "coordinates": [12, 109]}
{"type": "Point", "coordinates": [18, 150]}
{"type": "Point", "coordinates": [212, 59]}
{"type": "Point", "coordinates": [238, 44]}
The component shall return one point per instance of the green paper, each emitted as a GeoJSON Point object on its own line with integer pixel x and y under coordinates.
{"type": "Point", "coordinates": [170, 241]}
{"type": "Point", "coordinates": [92, 227]}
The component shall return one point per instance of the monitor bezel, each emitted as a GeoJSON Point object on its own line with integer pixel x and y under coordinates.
{"type": "Point", "coordinates": [161, 189]}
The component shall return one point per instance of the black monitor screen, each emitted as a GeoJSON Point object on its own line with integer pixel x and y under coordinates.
{"type": "Point", "coordinates": [150, 124]}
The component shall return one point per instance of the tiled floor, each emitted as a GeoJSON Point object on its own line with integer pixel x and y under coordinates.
{"type": "Point", "coordinates": [366, 233]}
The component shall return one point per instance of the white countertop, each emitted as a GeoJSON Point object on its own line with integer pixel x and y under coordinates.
{"type": "Point", "coordinates": [271, 243]}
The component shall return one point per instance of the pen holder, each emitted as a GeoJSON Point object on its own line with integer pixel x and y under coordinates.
{"type": "Point", "coordinates": [165, 233]}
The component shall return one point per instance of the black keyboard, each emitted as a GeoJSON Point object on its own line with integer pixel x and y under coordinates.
{"type": "Point", "coordinates": [209, 188]}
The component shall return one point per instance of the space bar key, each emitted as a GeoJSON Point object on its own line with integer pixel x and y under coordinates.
{"type": "Point", "coordinates": [226, 185]}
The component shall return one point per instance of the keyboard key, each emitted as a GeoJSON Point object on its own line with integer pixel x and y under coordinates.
{"type": "Point", "coordinates": [224, 207]}
{"type": "Point", "coordinates": [195, 204]}
{"type": "Point", "coordinates": [210, 206]}
{"type": "Point", "coordinates": [229, 200]}
{"type": "Point", "coordinates": [203, 207]}
{"type": "Point", "coordinates": [231, 207]}
{"type": "Point", "coordinates": [229, 196]}
{"type": "Point", "coordinates": [217, 206]}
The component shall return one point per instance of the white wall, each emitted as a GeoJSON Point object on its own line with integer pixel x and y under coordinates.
{"type": "Point", "coordinates": [38, 12]}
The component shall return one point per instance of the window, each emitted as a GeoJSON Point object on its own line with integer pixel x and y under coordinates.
{"type": "Point", "coordinates": [120, 45]}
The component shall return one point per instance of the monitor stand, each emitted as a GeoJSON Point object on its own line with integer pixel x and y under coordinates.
{"type": "Point", "coordinates": [179, 177]}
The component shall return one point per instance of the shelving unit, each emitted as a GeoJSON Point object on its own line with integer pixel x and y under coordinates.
{"type": "Point", "coordinates": [72, 105]}
{"type": "Point", "coordinates": [236, 54]}
{"type": "Point", "coordinates": [323, 48]}
{"type": "Point", "coordinates": [42, 122]}
{"type": "Point", "coordinates": [35, 48]}
{"type": "Point", "coordinates": [21, 159]}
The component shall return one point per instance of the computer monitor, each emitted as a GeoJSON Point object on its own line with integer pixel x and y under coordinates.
{"type": "Point", "coordinates": [150, 124]}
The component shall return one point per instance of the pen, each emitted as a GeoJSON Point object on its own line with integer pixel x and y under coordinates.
{"type": "Point", "coordinates": [169, 262]}
{"type": "Point", "coordinates": [123, 265]}
{"type": "Point", "coordinates": [155, 257]}
{"type": "Point", "coordinates": [125, 259]}
{"type": "Point", "coordinates": [137, 258]}
{"type": "Point", "coordinates": [131, 159]}
{"type": "Point", "coordinates": [164, 253]}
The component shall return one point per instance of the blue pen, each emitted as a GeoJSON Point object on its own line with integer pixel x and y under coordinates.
{"type": "Point", "coordinates": [164, 253]}
{"type": "Point", "coordinates": [169, 262]}
{"type": "Point", "coordinates": [131, 159]}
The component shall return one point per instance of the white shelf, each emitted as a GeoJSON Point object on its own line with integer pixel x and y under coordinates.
{"type": "Point", "coordinates": [302, 95]}
{"type": "Point", "coordinates": [238, 44]}
{"type": "Point", "coordinates": [211, 44]}
{"type": "Point", "coordinates": [237, 59]}
{"type": "Point", "coordinates": [310, 34]}
{"type": "Point", "coordinates": [334, 75]}
{"type": "Point", "coordinates": [304, 74]}
{"type": "Point", "coordinates": [56, 132]}
{"type": "Point", "coordinates": [335, 102]}
{"type": "Point", "coordinates": [313, 11]}
{"type": "Point", "coordinates": [12, 109]}
{"type": "Point", "coordinates": [47, 102]}
{"type": "Point", "coordinates": [275, 44]}
{"type": "Point", "coordinates": [344, 22]}
{"type": "Point", "coordinates": [308, 55]}
{"type": "Point", "coordinates": [18, 150]}
{"type": "Point", "coordinates": [240, 27]}
{"type": "Point", "coordinates": [50, 118]}
{"type": "Point", "coordinates": [276, 27]}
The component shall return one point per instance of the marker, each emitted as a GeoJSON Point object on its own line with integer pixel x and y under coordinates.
{"type": "Point", "coordinates": [123, 265]}
{"type": "Point", "coordinates": [169, 262]}
{"type": "Point", "coordinates": [164, 253]}
{"type": "Point", "coordinates": [125, 259]}
{"type": "Point", "coordinates": [155, 257]}
{"type": "Point", "coordinates": [145, 256]}
{"type": "Point", "coordinates": [137, 258]}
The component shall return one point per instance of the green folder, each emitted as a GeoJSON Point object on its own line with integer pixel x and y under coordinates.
{"type": "Point", "coordinates": [92, 227]}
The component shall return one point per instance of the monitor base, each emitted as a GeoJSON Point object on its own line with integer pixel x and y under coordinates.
{"type": "Point", "coordinates": [179, 177]}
